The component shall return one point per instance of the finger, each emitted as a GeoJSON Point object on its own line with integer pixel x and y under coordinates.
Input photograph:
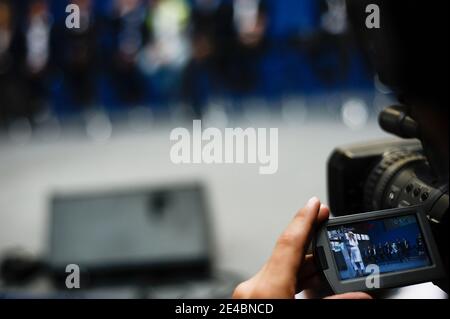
{"type": "Point", "coordinates": [351, 295]}
{"type": "Point", "coordinates": [307, 271]}
{"type": "Point", "coordinates": [313, 282]}
{"type": "Point", "coordinates": [290, 248]}
{"type": "Point", "coordinates": [324, 213]}
{"type": "Point", "coordinates": [308, 268]}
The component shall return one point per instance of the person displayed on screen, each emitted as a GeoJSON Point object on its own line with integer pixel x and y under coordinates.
{"type": "Point", "coordinates": [401, 250]}
{"type": "Point", "coordinates": [355, 254]}
{"type": "Point", "coordinates": [371, 254]}
{"type": "Point", "coordinates": [395, 251]}
{"type": "Point", "coordinates": [367, 255]}
{"type": "Point", "coordinates": [380, 252]}
{"type": "Point", "coordinates": [375, 256]}
{"type": "Point", "coordinates": [387, 251]}
{"type": "Point", "coordinates": [405, 248]}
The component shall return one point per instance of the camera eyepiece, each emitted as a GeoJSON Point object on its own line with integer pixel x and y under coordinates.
{"type": "Point", "coordinates": [395, 120]}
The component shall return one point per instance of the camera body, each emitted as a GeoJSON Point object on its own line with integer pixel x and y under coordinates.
{"type": "Point", "coordinates": [387, 174]}
{"type": "Point", "coordinates": [411, 171]}
{"type": "Point", "coordinates": [384, 174]}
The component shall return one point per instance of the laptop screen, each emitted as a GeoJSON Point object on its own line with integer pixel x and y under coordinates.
{"type": "Point", "coordinates": [157, 227]}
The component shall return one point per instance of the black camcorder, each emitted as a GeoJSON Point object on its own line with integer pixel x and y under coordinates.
{"type": "Point", "coordinates": [390, 174]}
{"type": "Point", "coordinates": [391, 196]}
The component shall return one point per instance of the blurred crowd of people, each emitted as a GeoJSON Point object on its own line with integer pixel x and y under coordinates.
{"type": "Point", "coordinates": [156, 53]}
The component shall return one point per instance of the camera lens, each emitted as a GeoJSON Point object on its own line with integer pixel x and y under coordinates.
{"type": "Point", "coordinates": [378, 183]}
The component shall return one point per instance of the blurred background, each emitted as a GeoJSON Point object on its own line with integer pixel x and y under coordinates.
{"type": "Point", "coordinates": [90, 109]}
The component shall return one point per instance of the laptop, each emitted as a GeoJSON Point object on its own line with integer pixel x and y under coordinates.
{"type": "Point", "coordinates": [144, 243]}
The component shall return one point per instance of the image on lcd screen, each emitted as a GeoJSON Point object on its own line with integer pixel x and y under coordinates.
{"type": "Point", "coordinates": [393, 244]}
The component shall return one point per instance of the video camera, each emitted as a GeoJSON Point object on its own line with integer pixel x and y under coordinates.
{"type": "Point", "coordinates": [409, 53]}
{"type": "Point", "coordinates": [392, 178]}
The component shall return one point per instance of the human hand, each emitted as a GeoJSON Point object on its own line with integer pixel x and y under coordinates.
{"type": "Point", "coordinates": [289, 269]}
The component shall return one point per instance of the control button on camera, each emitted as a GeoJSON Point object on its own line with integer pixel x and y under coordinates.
{"type": "Point", "coordinates": [409, 188]}
{"type": "Point", "coordinates": [424, 196]}
{"type": "Point", "coordinates": [416, 192]}
{"type": "Point", "coordinates": [391, 195]}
